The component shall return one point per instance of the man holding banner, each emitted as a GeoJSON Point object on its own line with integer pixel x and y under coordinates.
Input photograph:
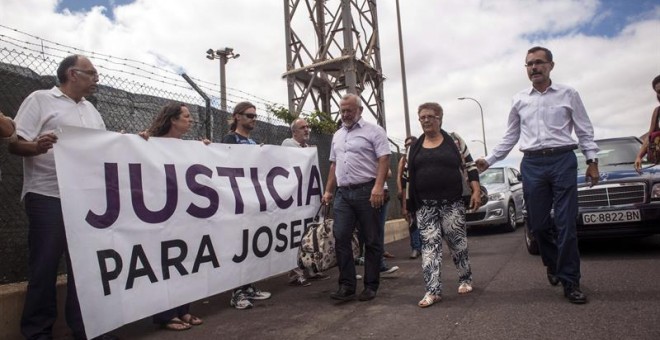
{"type": "Point", "coordinates": [245, 119]}
{"type": "Point", "coordinates": [359, 160]}
{"type": "Point", "coordinates": [41, 114]}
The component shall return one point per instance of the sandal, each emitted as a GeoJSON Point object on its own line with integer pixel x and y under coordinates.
{"type": "Point", "coordinates": [464, 288]}
{"type": "Point", "coordinates": [176, 324]}
{"type": "Point", "coordinates": [428, 300]}
{"type": "Point", "coordinates": [192, 320]}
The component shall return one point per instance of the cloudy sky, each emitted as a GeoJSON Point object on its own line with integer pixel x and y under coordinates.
{"type": "Point", "coordinates": [608, 50]}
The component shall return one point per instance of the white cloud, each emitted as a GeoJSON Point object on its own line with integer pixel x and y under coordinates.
{"type": "Point", "coordinates": [452, 48]}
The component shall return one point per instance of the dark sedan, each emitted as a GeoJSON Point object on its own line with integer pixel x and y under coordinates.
{"type": "Point", "coordinates": [623, 203]}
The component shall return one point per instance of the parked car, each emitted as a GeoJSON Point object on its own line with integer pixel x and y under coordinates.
{"type": "Point", "coordinates": [505, 200]}
{"type": "Point", "coordinates": [623, 203]}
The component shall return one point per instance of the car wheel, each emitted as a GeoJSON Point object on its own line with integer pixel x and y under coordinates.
{"type": "Point", "coordinates": [510, 224]}
{"type": "Point", "coordinates": [530, 242]}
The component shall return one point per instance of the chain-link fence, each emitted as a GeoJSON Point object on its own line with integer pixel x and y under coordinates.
{"type": "Point", "coordinates": [127, 101]}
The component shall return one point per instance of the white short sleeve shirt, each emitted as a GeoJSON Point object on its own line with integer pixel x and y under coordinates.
{"type": "Point", "coordinates": [45, 111]}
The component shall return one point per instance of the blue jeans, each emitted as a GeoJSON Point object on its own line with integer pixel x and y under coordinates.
{"type": "Point", "coordinates": [352, 206]}
{"type": "Point", "coordinates": [552, 181]}
{"type": "Point", "coordinates": [415, 240]}
{"type": "Point", "coordinates": [47, 244]}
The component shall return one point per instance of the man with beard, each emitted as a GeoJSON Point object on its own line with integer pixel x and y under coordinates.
{"type": "Point", "coordinates": [359, 160]}
{"type": "Point", "coordinates": [245, 119]}
{"type": "Point", "coordinates": [543, 118]}
{"type": "Point", "coordinates": [40, 115]}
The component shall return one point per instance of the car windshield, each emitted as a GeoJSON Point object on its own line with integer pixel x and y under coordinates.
{"type": "Point", "coordinates": [620, 151]}
{"type": "Point", "coordinates": [492, 176]}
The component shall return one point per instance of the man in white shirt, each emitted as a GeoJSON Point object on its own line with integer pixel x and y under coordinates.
{"type": "Point", "coordinates": [41, 114]}
{"type": "Point", "coordinates": [543, 117]}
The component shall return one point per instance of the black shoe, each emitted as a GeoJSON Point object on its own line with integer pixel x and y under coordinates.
{"type": "Point", "coordinates": [552, 278]}
{"type": "Point", "coordinates": [343, 294]}
{"type": "Point", "coordinates": [367, 294]}
{"type": "Point", "coordinates": [574, 294]}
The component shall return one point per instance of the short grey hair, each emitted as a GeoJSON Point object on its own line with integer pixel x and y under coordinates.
{"type": "Point", "coordinates": [348, 96]}
{"type": "Point", "coordinates": [293, 124]}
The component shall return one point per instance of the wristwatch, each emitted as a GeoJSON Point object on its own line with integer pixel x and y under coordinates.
{"type": "Point", "coordinates": [592, 160]}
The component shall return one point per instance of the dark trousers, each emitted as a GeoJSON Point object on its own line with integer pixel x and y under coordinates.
{"type": "Point", "coordinates": [47, 244]}
{"type": "Point", "coordinates": [383, 218]}
{"type": "Point", "coordinates": [165, 316]}
{"type": "Point", "coordinates": [351, 206]}
{"type": "Point", "coordinates": [552, 181]}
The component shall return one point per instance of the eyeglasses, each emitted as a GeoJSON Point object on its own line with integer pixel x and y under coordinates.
{"type": "Point", "coordinates": [536, 63]}
{"type": "Point", "coordinates": [91, 73]}
{"type": "Point", "coordinates": [423, 118]}
{"type": "Point", "coordinates": [249, 115]}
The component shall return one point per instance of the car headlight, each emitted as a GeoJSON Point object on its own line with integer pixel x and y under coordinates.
{"type": "Point", "coordinates": [498, 196]}
{"type": "Point", "coordinates": [655, 191]}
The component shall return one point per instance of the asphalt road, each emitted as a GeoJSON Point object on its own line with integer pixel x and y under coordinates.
{"type": "Point", "coordinates": [511, 300]}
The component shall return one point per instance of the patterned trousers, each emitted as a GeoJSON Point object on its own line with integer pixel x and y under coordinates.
{"type": "Point", "coordinates": [437, 220]}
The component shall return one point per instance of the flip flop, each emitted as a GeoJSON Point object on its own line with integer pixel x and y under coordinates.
{"type": "Point", "coordinates": [192, 320]}
{"type": "Point", "coordinates": [176, 324]}
{"type": "Point", "coordinates": [428, 300]}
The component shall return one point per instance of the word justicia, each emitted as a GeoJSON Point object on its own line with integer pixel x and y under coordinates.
{"type": "Point", "coordinates": [205, 182]}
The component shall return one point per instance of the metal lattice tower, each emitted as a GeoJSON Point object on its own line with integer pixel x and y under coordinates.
{"type": "Point", "coordinates": [335, 53]}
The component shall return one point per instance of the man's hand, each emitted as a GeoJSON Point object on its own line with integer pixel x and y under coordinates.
{"type": "Point", "coordinates": [638, 165]}
{"type": "Point", "coordinates": [327, 198]}
{"type": "Point", "coordinates": [377, 197]}
{"type": "Point", "coordinates": [45, 142]}
{"type": "Point", "coordinates": [592, 176]}
{"type": "Point", "coordinates": [482, 165]}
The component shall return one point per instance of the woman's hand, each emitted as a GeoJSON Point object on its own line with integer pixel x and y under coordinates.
{"type": "Point", "coordinates": [475, 200]}
{"type": "Point", "coordinates": [144, 134]}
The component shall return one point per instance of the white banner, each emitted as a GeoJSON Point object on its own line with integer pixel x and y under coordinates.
{"type": "Point", "coordinates": [155, 224]}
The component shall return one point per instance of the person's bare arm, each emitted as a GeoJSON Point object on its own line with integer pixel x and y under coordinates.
{"type": "Point", "coordinates": [41, 145]}
{"type": "Point", "coordinates": [377, 192]}
{"type": "Point", "coordinates": [7, 127]}
{"type": "Point", "coordinates": [330, 185]}
{"type": "Point", "coordinates": [399, 173]}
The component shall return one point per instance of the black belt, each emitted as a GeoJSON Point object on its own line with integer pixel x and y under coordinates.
{"type": "Point", "coordinates": [358, 186]}
{"type": "Point", "coordinates": [550, 151]}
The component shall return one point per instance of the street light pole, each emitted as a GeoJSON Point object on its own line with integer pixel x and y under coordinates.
{"type": "Point", "coordinates": [403, 72]}
{"type": "Point", "coordinates": [223, 55]}
{"type": "Point", "coordinates": [483, 127]}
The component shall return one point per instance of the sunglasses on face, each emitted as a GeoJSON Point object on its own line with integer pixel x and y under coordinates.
{"type": "Point", "coordinates": [249, 115]}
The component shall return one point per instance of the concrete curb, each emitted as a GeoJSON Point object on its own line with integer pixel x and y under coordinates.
{"type": "Point", "coordinates": [12, 295]}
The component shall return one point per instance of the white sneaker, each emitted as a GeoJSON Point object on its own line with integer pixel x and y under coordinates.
{"type": "Point", "coordinates": [389, 270]}
{"type": "Point", "coordinates": [358, 277]}
{"type": "Point", "coordinates": [253, 293]}
{"type": "Point", "coordinates": [465, 288]}
{"type": "Point", "coordinates": [240, 301]}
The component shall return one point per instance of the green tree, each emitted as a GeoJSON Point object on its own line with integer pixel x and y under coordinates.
{"type": "Point", "coordinates": [319, 122]}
